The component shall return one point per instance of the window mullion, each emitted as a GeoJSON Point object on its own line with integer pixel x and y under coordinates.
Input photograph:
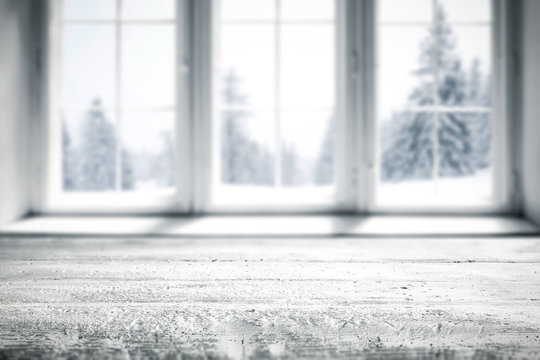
{"type": "Point", "coordinates": [118, 80]}
{"type": "Point", "coordinates": [201, 87]}
{"type": "Point", "coordinates": [184, 140]}
{"type": "Point", "coordinates": [277, 94]}
{"type": "Point", "coordinates": [435, 131]}
{"type": "Point", "coordinates": [361, 33]}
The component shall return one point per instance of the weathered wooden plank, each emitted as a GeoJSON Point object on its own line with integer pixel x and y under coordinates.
{"type": "Point", "coordinates": [242, 330]}
{"type": "Point", "coordinates": [172, 298]}
{"type": "Point", "coordinates": [116, 281]}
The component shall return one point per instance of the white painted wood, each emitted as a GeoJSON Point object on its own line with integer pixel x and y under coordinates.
{"type": "Point", "coordinates": [16, 57]}
{"type": "Point", "coordinates": [184, 125]}
{"type": "Point", "coordinates": [51, 198]}
{"type": "Point", "coordinates": [530, 90]}
{"type": "Point", "coordinates": [203, 108]}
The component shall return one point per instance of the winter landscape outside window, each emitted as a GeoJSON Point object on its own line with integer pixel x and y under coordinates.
{"type": "Point", "coordinates": [275, 99]}
{"type": "Point", "coordinates": [434, 108]}
{"type": "Point", "coordinates": [317, 105]}
{"type": "Point", "coordinates": [118, 98]}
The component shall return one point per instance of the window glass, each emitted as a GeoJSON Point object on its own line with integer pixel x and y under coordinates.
{"type": "Point", "coordinates": [117, 104]}
{"type": "Point", "coordinates": [473, 11]}
{"type": "Point", "coordinates": [405, 11]}
{"type": "Point", "coordinates": [148, 71]}
{"type": "Point", "coordinates": [148, 151]}
{"type": "Point", "coordinates": [89, 141]}
{"type": "Point", "coordinates": [307, 73]}
{"type": "Point", "coordinates": [88, 65]}
{"type": "Point", "coordinates": [85, 9]}
{"type": "Point", "coordinates": [246, 10]}
{"type": "Point", "coordinates": [434, 104]}
{"type": "Point", "coordinates": [148, 9]}
{"type": "Point", "coordinates": [275, 98]}
{"type": "Point", "coordinates": [307, 9]}
{"type": "Point", "coordinates": [247, 75]}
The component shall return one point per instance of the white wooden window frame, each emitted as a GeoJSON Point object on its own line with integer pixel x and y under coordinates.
{"type": "Point", "coordinates": [502, 135]}
{"type": "Point", "coordinates": [51, 198]}
{"type": "Point", "coordinates": [284, 200]}
{"type": "Point", "coordinates": [355, 155]}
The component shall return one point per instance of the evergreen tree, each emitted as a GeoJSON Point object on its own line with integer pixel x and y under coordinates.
{"type": "Point", "coordinates": [128, 174]}
{"type": "Point", "coordinates": [68, 170]}
{"type": "Point", "coordinates": [97, 156]}
{"type": "Point", "coordinates": [479, 93]}
{"type": "Point", "coordinates": [168, 160]}
{"type": "Point", "coordinates": [324, 165]}
{"type": "Point", "coordinates": [409, 153]}
{"type": "Point", "coordinates": [408, 139]}
{"type": "Point", "coordinates": [243, 161]}
{"type": "Point", "coordinates": [291, 167]}
{"type": "Point", "coordinates": [162, 165]}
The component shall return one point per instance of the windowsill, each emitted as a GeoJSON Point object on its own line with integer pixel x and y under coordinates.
{"type": "Point", "coordinates": [273, 226]}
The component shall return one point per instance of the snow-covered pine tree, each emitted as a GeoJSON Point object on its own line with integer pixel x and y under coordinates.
{"type": "Point", "coordinates": [68, 160]}
{"type": "Point", "coordinates": [243, 161]}
{"type": "Point", "coordinates": [167, 161]}
{"type": "Point", "coordinates": [408, 138]}
{"type": "Point", "coordinates": [128, 173]}
{"type": "Point", "coordinates": [97, 156]}
{"type": "Point", "coordinates": [324, 165]}
{"type": "Point", "coordinates": [291, 166]}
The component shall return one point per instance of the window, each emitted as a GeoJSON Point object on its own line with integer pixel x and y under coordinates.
{"type": "Point", "coordinates": [276, 105]}
{"type": "Point", "coordinates": [275, 84]}
{"type": "Point", "coordinates": [434, 102]}
{"type": "Point", "coordinates": [117, 100]}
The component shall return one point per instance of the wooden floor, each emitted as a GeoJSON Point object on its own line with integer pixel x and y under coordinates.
{"type": "Point", "coordinates": [299, 298]}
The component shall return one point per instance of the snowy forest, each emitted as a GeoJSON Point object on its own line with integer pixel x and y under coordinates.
{"type": "Point", "coordinates": [407, 150]}
{"type": "Point", "coordinates": [91, 165]}
{"type": "Point", "coordinates": [245, 161]}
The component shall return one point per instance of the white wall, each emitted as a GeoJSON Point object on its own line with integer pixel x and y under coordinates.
{"type": "Point", "coordinates": [531, 108]}
{"type": "Point", "coordinates": [14, 108]}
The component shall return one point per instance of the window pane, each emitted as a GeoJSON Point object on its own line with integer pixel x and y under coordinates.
{"type": "Point", "coordinates": [405, 10]}
{"type": "Point", "coordinates": [406, 157]}
{"type": "Point", "coordinates": [405, 76]}
{"type": "Point", "coordinates": [307, 9]}
{"type": "Point", "coordinates": [247, 9]}
{"type": "Point", "coordinates": [148, 71]}
{"type": "Point", "coordinates": [94, 9]}
{"type": "Point", "coordinates": [89, 150]}
{"type": "Point", "coordinates": [465, 75]}
{"type": "Point", "coordinates": [435, 156]}
{"type": "Point", "coordinates": [307, 66]}
{"type": "Point", "coordinates": [275, 92]}
{"type": "Point", "coordinates": [247, 148]}
{"type": "Point", "coordinates": [465, 166]}
{"type": "Point", "coordinates": [148, 151]}
{"type": "Point", "coordinates": [307, 148]}
{"type": "Point", "coordinates": [247, 73]}
{"type": "Point", "coordinates": [467, 10]}
{"type": "Point", "coordinates": [88, 65]}
{"type": "Point", "coordinates": [148, 9]}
